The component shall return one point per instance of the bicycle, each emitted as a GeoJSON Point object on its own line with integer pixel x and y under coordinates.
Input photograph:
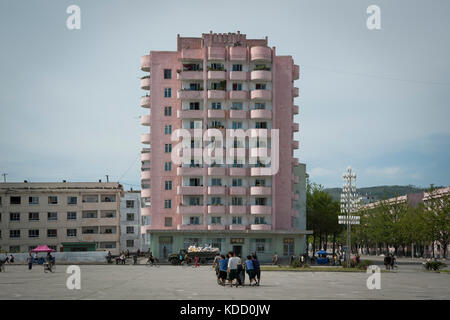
{"type": "Point", "coordinates": [49, 266]}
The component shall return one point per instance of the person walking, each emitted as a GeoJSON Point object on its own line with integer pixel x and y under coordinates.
{"type": "Point", "coordinates": [30, 261]}
{"type": "Point", "coordinates": [275, 259]}
{"type": "Point", "coordinates": [249, 268]}
{"type": "Point", "coordinates": [240, 272]}
{"type": "Point", "coordinates": [196, 261]}
{"type": "Point", "coordinates": [257, 268]}
{"type": "Point", "coordinates": [232, 267]}
{"type": "Point", "coordinates": [216, 262]}
{"type": "Point", "coordinates": [223, 266]}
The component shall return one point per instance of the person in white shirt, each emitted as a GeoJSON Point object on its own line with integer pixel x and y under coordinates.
{"type": "Point", "coordinates": [232, 267]}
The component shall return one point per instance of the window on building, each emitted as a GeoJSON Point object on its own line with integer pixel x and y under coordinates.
{"type": "Point", "coordinates": [168, 111]}
{"type": "Point", "coordinates": [260, 86]}
{"type": "Point", "coordinates": [237, 67]}
{"type": "Point", "coordinates": [14, 233]}
{"type": "Point", "coordinates": [167, 147]}
{"type": "Point", "coordinates": [71, 232]}
{"type": "Point", "coordinates": [260, 220]}
{"type": "Point", "coordinates": [168, 185]}
{"type": "Point", "coordinates": [167, 221]}
{"type": "Point", "coordinates": [51, 233]}
{"type": "Point", "coordinates": [194, 201]}
{"type": "Point", "coordinates": [108, 198]}
{"type": "Point", "coordinates": [167, 204]}
{"type": "Point", "coordinates": [71, 215]}
{"type": "Point", "coordinates": [33, 200]}
{"type": "Point", "coordinates": [14, 216]}
{"type": "Point", "coordinates": [108, 214]}
{"type": "Point", "coordinates": [260, 182]}
{"type": "Point", "coordinates": [194, 105]}
{"type": "Point", "coordinates": [216, 201]}
{"type": "Point", "coordinates": [33, 216]}
{"type": "Point", "coordinates": [216, 220]}
{"type": "Point", "coordinates": [130, 243]}
{"type": "Point", "coordinates": [260, 201]}
{"type": "Point", "coordinates": [168, 166]}
{"type": "Point", "coordinates": [90, 198]}
{"type": "Point", "coordinates": [168, 129]}
{"type": "Point", "coordinates": [261, 125]}
{"type": "Point", "coordinates": [236, 220]}
{"type": "Point", "coordinates": [14, 200]}
{"type": "Point", "coordinates": [260, 245]}
{"type": "Point", "coordinates": [194, 220]}
{"type": "Point", "coordinates": [107, 245]}
{"type": "Point", "coordinates": [288, 246]}
{"type": "Point", "coordinates": [216, 106]}
{"type": "Point", "coordinates": [236, 125]}
{"type": "Point", "coordinates": [260, 106]}
{"type": "Point", "coordinates": [237, 106]}
{"type": "Point", "coordinates": [33, 233]}
{"type": "Point", "coordinates": [130, 216]}
{"type": "Point", "coordinates": [52, 200]}
{"type": "Point", "coordinates": [72, 200]}
{"type": "Point", "coordinates": [89, 230]}
{"type": "Point", "coordinates": [52, 216]}
{"type": "Point", "coordinates": [237, 182]}
{"type": "Point", "coordinates": [130, 204]}
{"type": "Point", "coordinates": [236, 201]}
{"type": "Point", "coordinates": [130, 229]}
{"type": "Point", "coordinates": [167, 74]}
{"type": "Point", "coordinates": [14, 249]}
{"type": "Point", "coordinates": [167, 92]}
{"type": "Point", "coordinates": [237, 87]}
{"type": "Point", "coordinates": [92, 214]}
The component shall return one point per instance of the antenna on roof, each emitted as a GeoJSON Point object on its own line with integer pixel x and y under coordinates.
{"type": "Point", "coordinates": [107, 178]}
{"type": "Point", "coordinates": [4, 176]}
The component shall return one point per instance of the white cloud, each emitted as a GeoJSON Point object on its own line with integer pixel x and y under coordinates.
{"type": "Point", "coordinates": [322, 172]}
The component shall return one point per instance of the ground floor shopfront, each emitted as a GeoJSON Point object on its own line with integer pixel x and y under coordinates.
{"type": "Point", "coordinates": [264, 243]}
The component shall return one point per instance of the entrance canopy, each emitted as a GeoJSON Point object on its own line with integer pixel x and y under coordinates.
{"type": "Point", "coordinates": [42, 248]}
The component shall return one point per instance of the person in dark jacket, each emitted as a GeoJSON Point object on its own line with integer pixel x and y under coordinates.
{"type": "Point", "coordinates": [257, 269]}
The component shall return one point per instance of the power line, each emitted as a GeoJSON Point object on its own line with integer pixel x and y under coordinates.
{"type": "Point", "coordinates": [132, 164]}
{"type": "Point", "coordinates": [380, 76]}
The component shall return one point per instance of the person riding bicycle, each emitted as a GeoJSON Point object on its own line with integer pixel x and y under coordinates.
{"type": "Point", "coordinates": [151, 258]}
{"type": "Point", "coordinates": [135, 258]}
{"type": "Point", "coordinates": [50, 261]}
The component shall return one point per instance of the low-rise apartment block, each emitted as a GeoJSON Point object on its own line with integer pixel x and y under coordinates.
{"type": "Point", "coordinates": [130, 221]}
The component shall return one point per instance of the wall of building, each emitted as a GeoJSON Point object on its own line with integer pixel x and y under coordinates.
{"type": "Point", "coordinates": [130, 220]}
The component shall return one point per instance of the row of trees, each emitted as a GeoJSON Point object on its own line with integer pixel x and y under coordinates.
{"type": "Point", "coordinates": [389, 224]}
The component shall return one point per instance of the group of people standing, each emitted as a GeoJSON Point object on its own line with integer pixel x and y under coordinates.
{"type": "Point", "coordinates": [233, 269]}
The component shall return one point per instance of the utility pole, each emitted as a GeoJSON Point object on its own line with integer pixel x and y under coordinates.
{"type": "Point", "coordinates": [107, 178]}
{"type": "Point", "coordinates": [4, 176]}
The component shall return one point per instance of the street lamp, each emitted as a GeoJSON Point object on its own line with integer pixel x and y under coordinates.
{"type": "Point", "coordinates": [349, 205]}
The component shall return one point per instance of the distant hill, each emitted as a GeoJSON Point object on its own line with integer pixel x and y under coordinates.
{"type": "Point", "coordinates": [379, 192]}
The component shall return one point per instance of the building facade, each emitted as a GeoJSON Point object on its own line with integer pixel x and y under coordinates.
{"type": "Point", "coordinates": [66, 216]}
{"type": "Point", "coordinates": [222, 82]}
{"type": "Point", "coordinates": [130, 221]}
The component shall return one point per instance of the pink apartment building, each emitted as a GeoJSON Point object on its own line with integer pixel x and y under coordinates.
{"type": "Point", "coordinates": [221, 81]}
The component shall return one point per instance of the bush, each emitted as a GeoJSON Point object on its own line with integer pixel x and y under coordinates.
{"type": "Point", "coordinates": [434, 265]}
{"type": "Point", "coordinates": [296, 264]}
{"type": "Point", "coordinates": [364, 264]}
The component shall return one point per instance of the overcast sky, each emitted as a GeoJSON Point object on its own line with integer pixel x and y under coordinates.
{"type": "Point", "coordinates": [376, 100]}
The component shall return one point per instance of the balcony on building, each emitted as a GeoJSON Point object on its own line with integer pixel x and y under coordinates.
{"type": "Point", "coordinates": [296, 72]}
{"type": "Point", "coordinates": [238, 114]}
{"type": "Point", "coordinates": [145, 120]}
{"type": "Point", "coordinates": [261, 94]}
{"type": "Point", "coordinates": [216, 227]}
{"type": "Point", "coordinates": [145, 63]}
{"type": "Point", "coordinates": [238, 95]}
{"type": "Point", "coordinates": [260, 53]}
{"type": "Point", "coordinates": [295, 144]}
{"type": "Point", "coordinates": [255, 209]}
{"type": "Point", "coordinates": [190, 75]}
{"type": "Point", "coordinates": [188, 94]}
{"type": "Point", "coordinates": [260, 114]}
{"type": "Point", "coordinates": [189, 114]}
{"type": "Point", "coordinates": [146, 175]}
{"type": "Point", "coordinates": [216, 53]}
{"type": "Point", "coordinates": [186, 209]}
{"type": "Point", "coordinates": [238, 53]}
{"type": "Point", "coordinates": [237, 209]}
{"type": "Point", "coordinates": [216, 114]}
{"type": "Point", "coordinates": [216, 209]}
{"type": "Point", "coordinates": [260, 227]}
{"type": "Point", "coordinates": [145, 82]}
{"type": "Point", "coordinates": [216, 75]}
{"type": "Point", "coordinates": [237, 227]}
{"type": "Point", "coordinates": [295, 92]}
{"type": "Point", "coordinates": [146, 154]}
{"type": "Point", "coordinates": [217, 94]}
{"type": "Point", "coordinates": [145, 101]}
{"type": "Point", "coordinates": [216, 190]}
{"type": "Point", "coordinates": [237, 191]}
{"type": "Point", "coordinates": [190, 190]}
{"type": "Point", "coordinates": [145, 138]}
{"type": "Point", "coordinates": [295, 127]}
{"type": "Point", "coordinates": [191, 54]}
{"type": "Point", "coordinates": [296, 109]}
{"type": "Point", "coordinates": [238, 75]}
{"type": "Point", "coordinates": [260, 171]}
{"type": "Point", "coordinates": [190, 227]}
{"type": "Point", "coordinates": [216, 171]}
{"type": "Point", "coordinates": [260, 191]}
{"type": "Point", "coordinates": [189, 171]}
{"type": "Point", "coordinates": [261, 75]}
{"type": "Point", "coordinates": [238, 172]}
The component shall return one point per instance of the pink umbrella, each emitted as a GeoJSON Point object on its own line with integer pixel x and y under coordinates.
{"type": "Point", "coordinates": [42, 248]}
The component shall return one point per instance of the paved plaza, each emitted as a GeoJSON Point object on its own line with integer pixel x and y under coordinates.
{"type": "Point", "coordinates": [176, 282]}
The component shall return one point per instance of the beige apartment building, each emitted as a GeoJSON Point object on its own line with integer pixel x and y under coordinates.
{"type": "Point", "coordinates": [66, 216]}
